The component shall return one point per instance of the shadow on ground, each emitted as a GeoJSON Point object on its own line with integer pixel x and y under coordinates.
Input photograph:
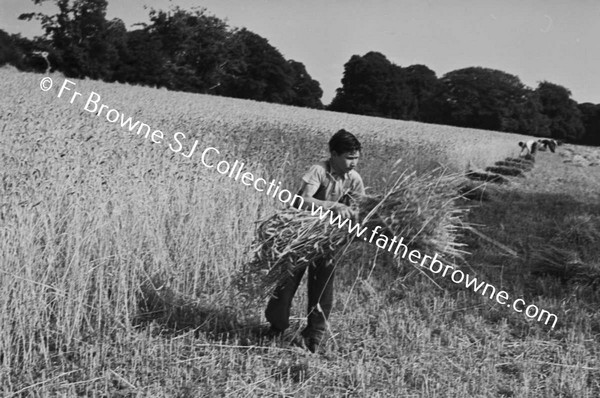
{"type": "Point", "coordinates": [176, 313]}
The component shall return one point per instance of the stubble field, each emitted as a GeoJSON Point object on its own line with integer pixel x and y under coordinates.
{"type": "Point", "coordinates": [93, 217]}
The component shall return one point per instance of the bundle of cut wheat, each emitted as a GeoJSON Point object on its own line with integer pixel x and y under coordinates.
{"type": "Point", "coordinates": [505, 170]}
{"type": "Point", "coordinates": [421, 209]}
{"type": "Point", "coordinates": [571, 254]}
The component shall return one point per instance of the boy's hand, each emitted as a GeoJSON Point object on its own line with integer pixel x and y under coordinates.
{"type": "Point", "coordinates": [343, 210]}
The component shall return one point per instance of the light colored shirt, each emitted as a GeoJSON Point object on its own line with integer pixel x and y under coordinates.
{"type": "Point", "coordinates": [332, 186]}
{"type": "Point", "coordinates": [528, 148]}
{"type": "Point", "coordinates": [529, 145]}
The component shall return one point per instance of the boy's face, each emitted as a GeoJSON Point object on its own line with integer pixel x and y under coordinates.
{"type": "Point", "coordinates": [344, 162]}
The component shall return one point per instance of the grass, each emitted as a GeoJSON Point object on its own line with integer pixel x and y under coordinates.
{"type": "Point", "coordinates": [118, 260]}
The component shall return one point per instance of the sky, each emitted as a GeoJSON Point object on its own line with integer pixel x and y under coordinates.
{"type": "Point", "coordinates": [537, 40]}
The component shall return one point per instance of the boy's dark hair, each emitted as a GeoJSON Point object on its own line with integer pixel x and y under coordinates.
{"type": "Point", "coordinates": [343, 141]}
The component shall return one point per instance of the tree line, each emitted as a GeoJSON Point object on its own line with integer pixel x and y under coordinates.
{"type": "Point", "coordinates": [179, 49]}
{"type": "Point", "coordinates": [473, 97]}
{"type": "Point", "coordinates": [197, 52]}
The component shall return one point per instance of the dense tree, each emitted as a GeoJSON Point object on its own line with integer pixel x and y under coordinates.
{"type": "Point", "coordinates": [10, 51]}
{"type": "Point", "coordinates": [424, 84]}
{"type": "Point", "coordinates": [193, 46]}
{"type": "Point", "coordinates": [529, 117]}
{"type": "Point", "coordinates": [142, 60]}
{"type": "Point", "coordinates": [590, 116]}
{"type": "Point", "coordinates": [307, 91]}
{"type": "Point", "coordinates": [115, 36]}
{"type": "Point", "coordinates": [484, 98]}
{"type": "Point", "coordinates": [79, 33]}
{"type": "Point", "coordinates": [372, 85]}
{"type": "Point", "coordinates": [561, 110]}
{"type": "Point", "coordinates": [256, 70]}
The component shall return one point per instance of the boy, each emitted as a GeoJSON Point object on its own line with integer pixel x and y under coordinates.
{"type": "Point", "coordinates": [331, 184]}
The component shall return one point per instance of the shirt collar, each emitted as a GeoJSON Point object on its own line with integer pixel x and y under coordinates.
{"type": "Point", "coordinates": [334, 173]}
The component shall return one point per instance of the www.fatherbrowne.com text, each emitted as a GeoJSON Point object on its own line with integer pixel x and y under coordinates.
{"type": "Point", "coordinates": [398, 248]}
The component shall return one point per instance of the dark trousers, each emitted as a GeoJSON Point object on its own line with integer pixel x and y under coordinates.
{"type": "Point", "coordinates": [320, 299]}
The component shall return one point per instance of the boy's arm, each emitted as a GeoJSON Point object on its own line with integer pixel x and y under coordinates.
{"type": "Point", "coordinates": [309, 190]}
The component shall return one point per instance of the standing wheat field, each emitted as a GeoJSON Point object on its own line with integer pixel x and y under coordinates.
{"type": "Point", "coordinates": [119, 260]}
